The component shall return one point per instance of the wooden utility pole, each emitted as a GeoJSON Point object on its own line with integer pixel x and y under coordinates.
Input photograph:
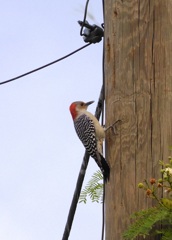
{"type": "Point", "coordinates": [138, 90]}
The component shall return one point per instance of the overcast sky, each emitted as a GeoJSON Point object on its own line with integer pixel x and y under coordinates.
{"type": "Point", "coordinates": [40, 153]}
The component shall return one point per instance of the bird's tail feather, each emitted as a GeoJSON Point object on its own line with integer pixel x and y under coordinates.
{"type": "Point", "coordinates": [104, 167]}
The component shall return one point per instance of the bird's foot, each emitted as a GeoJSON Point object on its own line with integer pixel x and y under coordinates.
{"type": "Point", "coordinates": [113, 126]}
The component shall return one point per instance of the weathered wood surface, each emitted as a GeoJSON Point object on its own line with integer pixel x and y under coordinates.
{"type": "Point", "coordinates": [138, 90]}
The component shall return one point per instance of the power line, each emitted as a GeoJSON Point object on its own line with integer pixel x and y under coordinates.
{"type": "Point", "coordinates": [44, 66]}
{"type": "Point", "coordinates": [103, 92]}
{"type": "Point", "coordinates": [85, 15]}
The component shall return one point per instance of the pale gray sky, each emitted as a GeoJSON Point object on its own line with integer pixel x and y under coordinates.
{"type": "Point", "coordinates": [40, 153]}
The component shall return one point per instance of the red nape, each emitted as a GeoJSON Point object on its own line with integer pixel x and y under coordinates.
{"type": "Point", "coordinates": [73, 110]}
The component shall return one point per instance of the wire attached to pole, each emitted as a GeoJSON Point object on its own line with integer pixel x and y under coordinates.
{"type": "Point", "coordinates": [84, 20]}
{"type": "Point", "coordinates": [103, 73]}
{"type": "Point", "coordinates": [91, 33]}
{"type": "Point", "coordinates": [44, 66]}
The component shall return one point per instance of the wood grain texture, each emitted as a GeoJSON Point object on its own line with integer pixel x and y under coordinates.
{"type": "Point", "coordinates": [138, 90]}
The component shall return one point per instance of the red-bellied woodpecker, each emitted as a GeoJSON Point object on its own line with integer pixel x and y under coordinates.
{"type": "Point", "coordinates": [91, 134]}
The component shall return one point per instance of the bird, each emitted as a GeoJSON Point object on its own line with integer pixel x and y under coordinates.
{"type": "Point", "coordinates": [91, 134]}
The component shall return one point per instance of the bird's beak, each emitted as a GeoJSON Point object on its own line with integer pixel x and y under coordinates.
{"type": "Point", "coordinates": [88, 103]}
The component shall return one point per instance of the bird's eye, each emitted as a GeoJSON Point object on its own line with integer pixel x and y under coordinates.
{"type": "Point", "coordinates": [82, 104]}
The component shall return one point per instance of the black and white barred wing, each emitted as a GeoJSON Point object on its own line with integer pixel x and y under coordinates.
{"type": "Point", "coordinates": [86, 132]}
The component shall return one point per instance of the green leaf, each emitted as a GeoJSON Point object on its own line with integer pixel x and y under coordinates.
{"type": "Point", "coordinates": [93, 189]}
{"type": "Point", "coordinates": [146, 220]}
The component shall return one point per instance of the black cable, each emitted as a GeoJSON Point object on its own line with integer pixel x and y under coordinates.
{"type": "Point", "coordinates": [103, 6]}
{"type": "Point", "coordinates": [103, 58]}
{"type": "Point", "coordinates": [85, 15]}
{"type": "Point", "coordinates": [103, 73]}
{"type": "Point", "coordinates": [103, 211]}
{"type": "Point", "coordinates": [44, 66]}
{"type": "Point", "coordinates": [103, 92]}
{"type": "Point", "coordinates": [80, 179]}
{"type": "Point", "coordinates": [75, 197]}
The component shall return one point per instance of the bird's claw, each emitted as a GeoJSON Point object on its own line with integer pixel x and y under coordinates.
{"type": "Point", "coordinates": [113, 127]}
